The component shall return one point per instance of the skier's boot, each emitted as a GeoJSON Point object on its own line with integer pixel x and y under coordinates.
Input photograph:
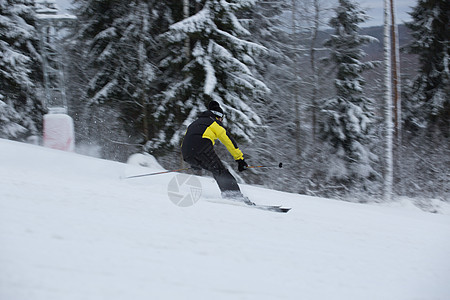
{"type": "Point", "coordinates": [236, 196]}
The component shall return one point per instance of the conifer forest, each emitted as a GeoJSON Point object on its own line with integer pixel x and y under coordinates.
{"type": "Point", "coordinates": [302, 82]}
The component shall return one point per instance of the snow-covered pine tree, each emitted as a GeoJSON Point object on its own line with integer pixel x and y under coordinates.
{"type": "Point", "coordinates": [118, 40]}
{"type": "Point", "coordinates": [349, 115]}
{"type": "Point", "coordinates": [283, 68]}
{"type": "Point", "coordinates": [216, 67]}
{"type": "Point", "coordinates": [264, 22]}
{"type": "Point", "coordinates": [316, 11]}
{"type": "Point", "coordinates": [428, 97]}
{"type": "Point", "coordinates": [267, 29]}
{"type": "Point", "coordinates": [20, 110]}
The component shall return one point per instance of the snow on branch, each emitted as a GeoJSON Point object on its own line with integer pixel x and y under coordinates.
{"type": "Point", "coordinates": [103, 93]}
{"type": "Point", "coordinates": [199, 22]}
{"type": "Point", "coordinates": [242, 44]}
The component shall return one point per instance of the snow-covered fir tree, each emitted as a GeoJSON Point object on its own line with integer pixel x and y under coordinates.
{"type": "Point", "coordinates": [118, 40]}
{"type": "Point", "coordinates": [286, 69]}
{"type": "Point", "coordinates": [209, 59]}
{"type": "Point", "coordinates": [428, 96]}
{"type": "Point", "coordinates": [264, 22]}
{"type": "Point", "coordinates": [20, 110]}
{"type": "Point", "coordinates": [349, 116]}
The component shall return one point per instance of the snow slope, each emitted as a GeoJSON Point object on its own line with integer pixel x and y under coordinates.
{"type": "Point", "coordinates": [70, 228]}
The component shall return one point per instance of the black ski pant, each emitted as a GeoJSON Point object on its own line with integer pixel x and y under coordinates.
{"type": "Point", "coordinates": [207, 159]}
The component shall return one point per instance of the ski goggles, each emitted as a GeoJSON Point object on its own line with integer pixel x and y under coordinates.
{"type": "Point", "coordinates": [218, 114]}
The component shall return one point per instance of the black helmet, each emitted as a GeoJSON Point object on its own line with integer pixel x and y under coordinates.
{"type": "Point", "coordinates": [215, 108]}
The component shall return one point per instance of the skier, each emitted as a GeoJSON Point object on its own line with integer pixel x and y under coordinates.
{"type": "Point", "coordinates": [198, 150]}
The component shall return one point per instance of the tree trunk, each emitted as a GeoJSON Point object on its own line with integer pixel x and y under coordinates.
{"type": "Point", "coordinates": [143, 95]}
{"type": "Point", "coordinates": [314, 69]}
{"type": "Point", "coordinates": [187, 41]}
{"type": "Point", "coordinates": [397, 100]}
{"type": "Point", "coordinates": [388, 176]}
{"type": "Point", "coordinates": [396, 73]}
{"type": "Point", "coordinates": [296, 84]}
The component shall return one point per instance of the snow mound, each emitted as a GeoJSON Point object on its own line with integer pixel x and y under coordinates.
{"type": "Point", "coordinates": [144, 160]}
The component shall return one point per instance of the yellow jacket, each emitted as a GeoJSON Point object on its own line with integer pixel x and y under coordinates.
{"type": "Point", "coordinates": [207, 129]}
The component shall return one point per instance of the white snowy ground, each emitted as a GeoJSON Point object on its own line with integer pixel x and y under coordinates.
{"type": "Point", "coordinates": [70, 228]}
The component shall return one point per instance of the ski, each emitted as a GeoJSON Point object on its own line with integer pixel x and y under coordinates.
{"type": "Point", "coordinates": [273, 208]}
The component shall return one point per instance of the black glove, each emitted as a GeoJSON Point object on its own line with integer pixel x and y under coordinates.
{"type": "Point", "coordinates": [242, 165]}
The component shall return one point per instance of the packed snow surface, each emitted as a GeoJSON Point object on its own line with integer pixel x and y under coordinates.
{"type": "Point", "coordinates": [72, 228]}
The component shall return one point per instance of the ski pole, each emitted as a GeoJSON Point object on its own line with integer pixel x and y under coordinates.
{"type": "Point", "coordinates": [157, 173]}
{"type": "Point", "coordinates": [280, 165]}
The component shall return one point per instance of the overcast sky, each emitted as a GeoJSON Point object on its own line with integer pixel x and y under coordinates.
{"type": "Point", "coordinates": [374, 8]}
